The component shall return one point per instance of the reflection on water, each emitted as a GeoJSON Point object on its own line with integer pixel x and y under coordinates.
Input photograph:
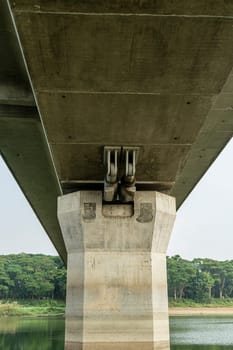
{"type": "Point", "coordinates": [31, 333]}
{"type": "Point", "coordinates": [187, 333]}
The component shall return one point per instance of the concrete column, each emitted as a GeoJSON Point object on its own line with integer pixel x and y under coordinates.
{"type": "Point", "coordinates": [117, 282]}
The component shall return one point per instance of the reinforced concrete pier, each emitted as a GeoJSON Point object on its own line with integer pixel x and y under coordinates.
{"type": "Point", "coordinates": [116, 281]}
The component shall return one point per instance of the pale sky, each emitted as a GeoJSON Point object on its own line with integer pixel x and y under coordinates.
{"type": "Point", "coordinates": [204, 223]}
{"type": "Point", "coordinates": [20, 230]}
{"type": "Point", "coordinates": [203, 228]}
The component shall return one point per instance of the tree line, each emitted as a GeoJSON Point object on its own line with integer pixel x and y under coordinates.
{"type": "Point", "coordinates": [38, 276]}
{"type": "Point", "coordinates": [199, 279]}
{"type": "Point", "coordinates": [32, 276]}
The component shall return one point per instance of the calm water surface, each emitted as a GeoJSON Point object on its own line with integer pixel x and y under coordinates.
{"type": "Point", "coordinates": [187, 333]}
{"type": "Point", "coordinates": [201, 333]}
{"type": "Point", "coordinates": [31, 333]}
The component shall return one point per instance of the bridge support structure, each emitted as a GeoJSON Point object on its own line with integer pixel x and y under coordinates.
{"type": "Point", "coordinates": [116, 276]}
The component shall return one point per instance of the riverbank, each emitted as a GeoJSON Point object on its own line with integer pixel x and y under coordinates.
{"type": "Point", "coordinates": [37, 308]}
{"type": "Point", "coordinates": [188, 307]}
{"type": "Point", "coordinates": [46, 308]}
{"type": "Point", "coordinates": [199, 311]}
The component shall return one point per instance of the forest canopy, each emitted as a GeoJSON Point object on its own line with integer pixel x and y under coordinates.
{"type": "Point", "coordinates": [199, 279]}
{"type": "Point", "coordinates": [38, 276]}
{"type": "Point", "coordinates": [32, 276]}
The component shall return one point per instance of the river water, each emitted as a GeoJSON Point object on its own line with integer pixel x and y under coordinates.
{"type": "Point", "coordinates": [201, 333]}
{"type": "Point", "coordinates": [187, 333]}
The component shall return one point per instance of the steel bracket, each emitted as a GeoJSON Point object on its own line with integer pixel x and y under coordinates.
{"type": "Point", "coordinates": [119, 182]}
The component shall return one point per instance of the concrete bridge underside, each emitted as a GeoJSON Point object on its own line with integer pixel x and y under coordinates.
{"type": "Point", "coordinates": [153, 74]}
{"type": "Point", "coordinates": [80, 75]}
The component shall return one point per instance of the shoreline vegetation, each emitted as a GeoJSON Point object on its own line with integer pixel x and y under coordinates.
{"type": "Point", "coordinates": [56, 308]}
{"type": "Point", "coordinates": [35, 308]}
{"type": "Point", "coordinates": [35, 285]}
{"type": "Point", "coordinates": [213, 307]}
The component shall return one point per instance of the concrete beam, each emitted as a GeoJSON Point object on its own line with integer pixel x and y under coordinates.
{"type": "Point", "coordinates": [215, 133]}
{"type": "Point", "coordinates": [17, 111]}
{"type": "Point", "coordinates": [73, 186]}
{"type": "Point", "coordinates": [147, 77]}
{"type": "Point", "coordinates": [162, 7]}
{"type": "Point", "coordinates": [14, 82]}
{"type": "Point", "coordinates": [23, 147]}
{"type": "Point", "coordinates": [12, 94]}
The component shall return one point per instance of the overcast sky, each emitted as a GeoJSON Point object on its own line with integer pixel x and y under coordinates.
{"type": "Point", "coordinates": [20, 230]}
{"type": "Point", "coordinates": [204, 224]}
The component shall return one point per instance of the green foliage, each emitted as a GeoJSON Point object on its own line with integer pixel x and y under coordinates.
{"type": "Point", "coordinates": [27, 308]}
{"type": "Point", "coordinates": [180, 272]}
{"type": "Point", "coordinates": [211, 303]}
{"type": "Point", "coordinates": [200, 279]}
{"type": "Point", "coordinates": [41, 278]}
{"type": "Point", "coordinates": [28, 276]}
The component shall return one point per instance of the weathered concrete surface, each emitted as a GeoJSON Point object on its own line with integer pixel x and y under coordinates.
{"type": "Point", "coordinates": [14, 83]}
{"type": "Point", "coordinates": [116, 283]}
{"type": "Point", "coordinates": [216, 131]}
{"type": "Point", "coordinates": [28, 158]}
{"type": "Point", "coordinates": [216, 8]}
{"type": "Point", "coordinates": [130, 73]}
{"type": "Point", "coordinates": [22, 141]}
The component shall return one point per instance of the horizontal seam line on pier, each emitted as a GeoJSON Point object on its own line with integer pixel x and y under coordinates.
{"type": "Point", "coordinates": [120, 14]}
